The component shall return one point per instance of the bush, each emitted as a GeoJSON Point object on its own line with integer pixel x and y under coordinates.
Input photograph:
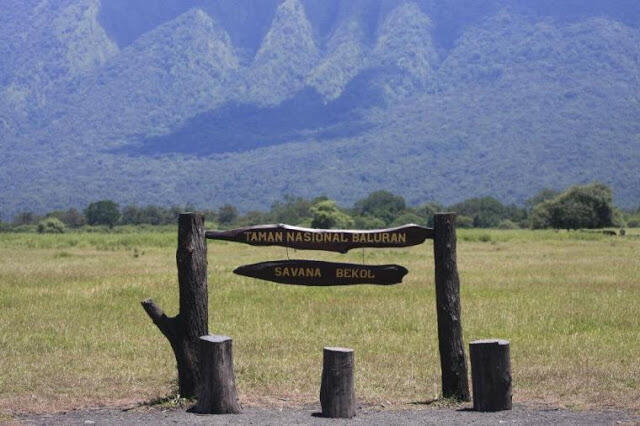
{"type": "Point", "coordinates": [380, 204]}
{"type": "Point", "coordinates": [368, 222]}
{"type": "Point", "coordinates": [463, 221]}
{"type": "Point", "coordinates": [103, 212]}
{"type": "Point", "coordinates": [508, 224]}
{"type": "Point", "coordinates": [51, 225]}
{"type": "Point", "coordinates": [588, 206]}
{"type": "Point", "coordinates": [633, 221]}
{"type": "Point", "coordinates": [327, 215]}
{"type": "Point", "coordinates": [408, 217]}
{"type": "Point", "coordinates": [227, 214]}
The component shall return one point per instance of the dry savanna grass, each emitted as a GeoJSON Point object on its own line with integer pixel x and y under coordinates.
{"type": "Point", "coordinates": [73, 334]}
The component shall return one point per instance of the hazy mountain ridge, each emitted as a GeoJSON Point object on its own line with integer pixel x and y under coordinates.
{"type": "Point", "coordinates": [330, 97]}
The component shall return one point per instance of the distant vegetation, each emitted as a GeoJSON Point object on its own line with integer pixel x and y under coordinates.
{"type": "Point", "coordinates": [588, 206]}
{"type": "Point", "coordinates": [242, 101]}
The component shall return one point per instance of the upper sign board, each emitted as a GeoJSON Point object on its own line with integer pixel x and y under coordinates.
{"type": "Point", "coordinates": [324, 239]}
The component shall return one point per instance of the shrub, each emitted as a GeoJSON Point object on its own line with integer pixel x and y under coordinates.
{"type": "Point", "coordinates": [381, 204]}
{"type": "Point", "coordinates": [51, 225]}
{"type": "Point", "coordinates": [368, 222]}
{"type": "Point", "coordinates": [588, 206]}
{"type": "Point", "coordinates": [463, 221]}
{"type": "Point", "coordinates": [327, 215]}
{"type": "Point", "coordinates": [103, 212]}
{"type": "Point", "coordinates": [507, 224]}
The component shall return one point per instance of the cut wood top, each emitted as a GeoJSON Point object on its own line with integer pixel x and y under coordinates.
{"type": "Point", "coordinates": [324, 239]}
{"type": "Point", "coordinates": [215, 338]}
{"type": "Point", "coordinates": [500, 342]}
{"type": "Point", "coordinates": [337, 349]}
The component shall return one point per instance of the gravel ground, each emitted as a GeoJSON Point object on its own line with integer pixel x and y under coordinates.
{"type": "Point", "coordinates": [520, 415]}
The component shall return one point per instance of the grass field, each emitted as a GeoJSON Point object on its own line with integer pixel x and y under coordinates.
{"type": "Point", "coordinates": [73, 334]}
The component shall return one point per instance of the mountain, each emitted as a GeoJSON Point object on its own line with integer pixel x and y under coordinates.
{"type": "Point", "coordinates": [242, 101]}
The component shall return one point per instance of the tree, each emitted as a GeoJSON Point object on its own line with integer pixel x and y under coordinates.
{"type": "Point", "coordinates": [368, 222]}
{"type": "Point", "coordinates": [104, 212]}
{"type": "Point", "coordinates": [406, 218]}
{"type": "Point", "coordinates": [327, 215]}
{"type": "Point", "coordinates": [26, 218]}
{"type": "Point", "coordinates": [487, 212]}
{"type": "Point", "coordinates": [381, 204]}
{"type": "Point", "coordinates": [73, 218]}
{"type": "Point", "coordinates": [587, 206]}
{"type": "Point", "coordinates": [426, 212]}
{"type": "Point", "coordinates": [227, 214]}
{"type": "Point", "coordinates": [542, 196]}
{"type": "Point", "coordinates": [292, 210]}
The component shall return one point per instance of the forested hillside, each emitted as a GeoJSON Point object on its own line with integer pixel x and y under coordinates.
{"type": "Point", "coordinates": [211, 102]}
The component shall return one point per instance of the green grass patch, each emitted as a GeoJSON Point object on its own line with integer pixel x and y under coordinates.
{"type": "Point", "coordinates": [72, 331]}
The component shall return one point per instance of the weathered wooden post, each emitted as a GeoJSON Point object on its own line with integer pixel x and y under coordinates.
{"type": "Point", "coordinates": [218, 393]}
{"type": "Point", "coordinates": [337, 391]}
{"type": "Point", "coordinates": [490, 375]}
{"type": "Point", "coordinates": [455, 383]}
{"type": "Point", "coordinates": [184, 330]}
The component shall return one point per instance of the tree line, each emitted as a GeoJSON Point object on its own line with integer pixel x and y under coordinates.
{"type": "Point", "coordinates": [587, 206]}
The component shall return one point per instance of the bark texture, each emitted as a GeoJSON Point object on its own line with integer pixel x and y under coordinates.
{"type": "Point", "coordinates": [337, 390]}
{"type": "Point", "coordinates": [218, 393]}
{"type": "Point", "coordinates": [184, 330]}
{"type": "Point", "coordinates": [455, 383]}
{"type": "Point", "coordinates": [491, 375]}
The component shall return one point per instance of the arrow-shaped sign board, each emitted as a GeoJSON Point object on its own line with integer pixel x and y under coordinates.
{"type": "Point", "coordinates": [318, 273]}
{"type": "Point", "coordinates": [324, 239]}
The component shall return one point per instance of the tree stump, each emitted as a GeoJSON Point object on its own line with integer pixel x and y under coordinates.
{"type": "Point", "coordinates": [491, 375]}
{"type": "Point", "coordinates": [455, 383]}
{"type": "Point", "coordinates": [337, 391]}
{"type": "Point", "coordinates": [217, 394]}
{"type": "Point", "coordinates": [184, 330]}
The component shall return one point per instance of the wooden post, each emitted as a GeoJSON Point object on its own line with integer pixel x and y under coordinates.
{"type": "Point", "coordinates": [183, 330]}
{"type": "Point", "coordinates": [455, 383]}
{"type": "Point", "coordinates": [337, 392]}
{"type": "Point", "coordinates": [491, 375]}
{"type": "Point", "coordinates": [217, 394]}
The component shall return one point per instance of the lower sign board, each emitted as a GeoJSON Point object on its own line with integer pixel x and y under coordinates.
{"type": "Point", "coordinates": [317, 273]}
{"type": "Point", "coordinates": [324, 239]}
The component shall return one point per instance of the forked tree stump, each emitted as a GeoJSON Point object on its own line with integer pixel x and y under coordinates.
{"type": "Point", "coordinates": [218, 393]}
{"type": "Point", "coordinates": [491, 375]}
{"type": "Point", "coordinates": [184, 330]}
{"type": "Point", "coordinates": [337, 390]}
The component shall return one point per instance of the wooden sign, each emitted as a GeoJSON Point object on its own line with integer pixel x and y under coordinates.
{"type": "Point", "coordinates": [317, 273]}
{"type": "Point", "coordinates": [324, 239]}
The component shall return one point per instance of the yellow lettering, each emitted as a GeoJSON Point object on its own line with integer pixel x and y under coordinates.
{"type": "Point", "coordinates": [279, 237]}
{"type": "Point", "coordinates": [385, 237]}
{"type": "Point", "coordinates": [343, 238]}
{"type": "Point", "coordinates": [285, 272]}
{"type": "Point", "coordinates": [253, 237]}
{"type": "Point", "coordinates": [299, 237]}
{"type": "Point", "coordinates": [402, 237]}
{"type": "Point", "coordinates": [394, 238]}
{"type": "Point", "coordinates": [355, 238]}
{"type": "Point", "coordinates": [278, 271]}
{"type": "Point", "coordinates": [290, 237]}
{"type": "Point", "coordinates": [339, 273]}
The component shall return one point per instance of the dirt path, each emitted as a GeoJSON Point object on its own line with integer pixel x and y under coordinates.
{"type": "Point", "coordinates": [520, 415]}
